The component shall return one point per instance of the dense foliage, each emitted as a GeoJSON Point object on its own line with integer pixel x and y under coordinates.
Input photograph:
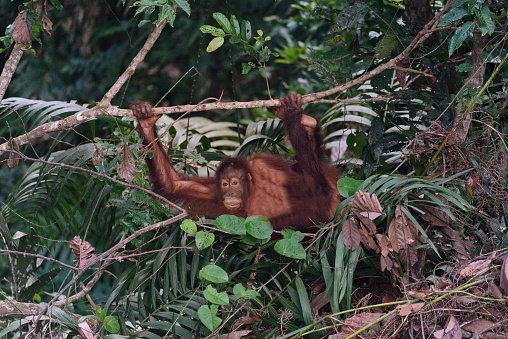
{"type": "Point", "coordinates": [423, 136]}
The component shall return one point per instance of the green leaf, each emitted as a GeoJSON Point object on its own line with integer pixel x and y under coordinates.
{"type": "Point", "coordinates": [241, 292]}
{"type": "Point", "coordinates": [204, 239]}
{"type": "Point", "coordinates": [459, 36]}
{"type": "Point", "coordinates": [189, 226]}
{"type": "Point", "coordinates": [246, 30]}
{"type": "Point", "coordinates": [348, 186]}
{"type": "Point", "coordinates": [208, 316]}
{"type": "Point", "coordinates": [214, 44]}
{"type": "Point", "coordinates": [214, 274]}
{"type": "Point", "coordinates": [231, 224]}
{"type": "Point", "coordinates": [215, 297]}
{"type": "Point", "coordinates": [184, 5]}
{"type": "Point", "coordinates": [101, 314]}
{"type": "Point", "coordinates": [385, 46]}
{"type": "Point", "coordinates": [250, 240]}
{"type": "Point", "coordinates": [223, 21]}
{"type": "Point", "coordinates": [235, 39]}
{"type": "Point", "coordinates": [453, 15]}
{"type": "Point", "coordinates": [292, 235]}
{"type": "Point", "coordinates": [356, 142]}
{"type": "Point", "coordinates": [235, 25]}
{"type": "Point", "coordinates": [167, 12]}
{"type": "Point", "coordinates": [290, 248]}
{"type": "Point", "coordinates": [245, 68]}
{"type": "Point", "coordinates": [111, 324]}
{"type": "Point", "coordinates": [484, 15]}
{"type": "Point", "coordinates": [213, 31]}
{"type": "Point", "coordinates": [258, 226]}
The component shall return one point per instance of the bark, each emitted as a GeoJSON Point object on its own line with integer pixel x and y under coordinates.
{"type": "Point", "coordinates": [476, 76]}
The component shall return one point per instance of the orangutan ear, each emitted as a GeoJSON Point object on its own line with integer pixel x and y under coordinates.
{"type": "Point", "coordinates": [249, 177]}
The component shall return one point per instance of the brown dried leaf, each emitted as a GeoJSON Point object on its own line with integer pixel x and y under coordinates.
{"type": "Point", "coordinates": [386, 263]}
{"type": "Point", "coordinates": [419, 293]}
{"type": "Point", "coordinates": [436, 216]}
{"type": "Point", "coordinates": [478, 326]}
{"type": "Point", "coordinates": [245, 320]}
{"type": "Point", "coordinates": [461, 246]}
{"type": "Point", "coordinates": [407, 309]}
{"type": "Point", "coordinates": [126, 168]}
{"type": "Point", "coordinates": [495, 291]}
{"type": "Point", "coordinates": [20, 32]}
{"type": "Point", "coordinates": [47, 25]}
{"type": "Point", "coordinates": [97, 157]}
{"type": "Point", "coordinates": [350, 234]}
{"type": "Point", "coordinates": [443, 283]}
{"type": "Point", "coordinates": [475, 267]}
{"type": "Point", "coordinates": [400, 231]}
{"type": "Point", "coordinates": [82, 250]}
{"type": "Point", "coordinates": [234, 335]}
{"type": "Point", "coordinates": [319, 301]}
{"type": "Point", "coordinates": [408, 256]}
{"type": "Point", "coordinates": [402, 76]}
{"type": "Point", "coordinates": [452, 329]}
{"type": "Point", "coordinates": [366, 205]}
{"type": "Point", "coordinates": [504, 276]}
{"type": "Point", "coordinates": [383, 243]}
{"type": "Point", "coordinates": [359, 321]}
{"type": "Point", "coordinates": [369, 224]}
{"type": "Point", "coordinates": [85, 330]}
{"type": "Point", "coordinates": [367, 239]}
{"type": "Point", "coordinates": [13, 160]}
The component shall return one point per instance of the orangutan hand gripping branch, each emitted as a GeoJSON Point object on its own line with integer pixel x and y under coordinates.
{"type": "Point", "coordinates": [295, 194]}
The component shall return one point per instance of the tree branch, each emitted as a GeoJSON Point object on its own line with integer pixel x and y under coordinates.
{"type": "Point", "coordinates": [106, 109]}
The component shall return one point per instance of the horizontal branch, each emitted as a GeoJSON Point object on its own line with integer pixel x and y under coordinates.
{"type": "Point", "coordinates": [105, 109]}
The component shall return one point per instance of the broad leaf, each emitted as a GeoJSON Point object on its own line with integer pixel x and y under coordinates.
{"type": "Point", "coordinates": [215, 297]}
{"type": "Point", "coordinates": [208, 316]}
{"type": "Point", "coordinates": [259, 227]}
{"type": "Point", "coordinates": [214, 274]}
{"type": "Point", "coordinates": [215, 44]}
{"type": "Point", "coordinates": [204, 239]}
{"type": "Point", "coordinates": [459, 36]}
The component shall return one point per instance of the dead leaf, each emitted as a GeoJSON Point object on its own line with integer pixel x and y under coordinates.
{"type": "Point", "coordinates": [383, 242]}
{"type": "Point", "coordinates": [419, 293]}
{"type": "Point", "coordinates": [436, 216]}
{"type": "Point", "coordinates": [47, 25]}
{"type": "Point", "coordinates": [97, 157]}
{"type": "Point", "coordinates": [402, 76]}
{"type": "Point", "coordinates": [359, 321]}
{"type": "Point", "coordinates": [504, 276]}
{"type": "Point", "coordinates": [400, 232]}
{"type": "Point", "coordinates": [82, 250]}
{"type": "Point", "coordinates": [85, 330]}
{"type": "Point", "coordinates": [126, 168]}
{"type": "Point", "coordinates": [351, 234]}
{"type": "Point", "coordinates": [478, 326]}
{"type": "Point", "coordinates": [234, 335]}
{"type": "Point", "coordinates": [475, 267]}
{"type": "Point", "coordinates": [495, 291]}
{"type": "Point", "coordinates": [407, 309]}
{"type": "Point", "coordinates": [318, 302]}
{"type": "Point", "coordinates": [452, 329]}
{"type": "Point", "coordinates": [13, 160]}
{"type": "Point", "coordinates": [20, 32]}
{"type": "Point", "coordinates": [443, 283]}
{"type": "Point", "coordinates": [408, 256]}
{"type": "Point", "coordinates": [386, 263]}
{"type": "Point", "coordinates": [367, 206]}
{"type": "Point", "coordinates": [367, 239]}
{"type": "Point", "coordinates": [245, 320]}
